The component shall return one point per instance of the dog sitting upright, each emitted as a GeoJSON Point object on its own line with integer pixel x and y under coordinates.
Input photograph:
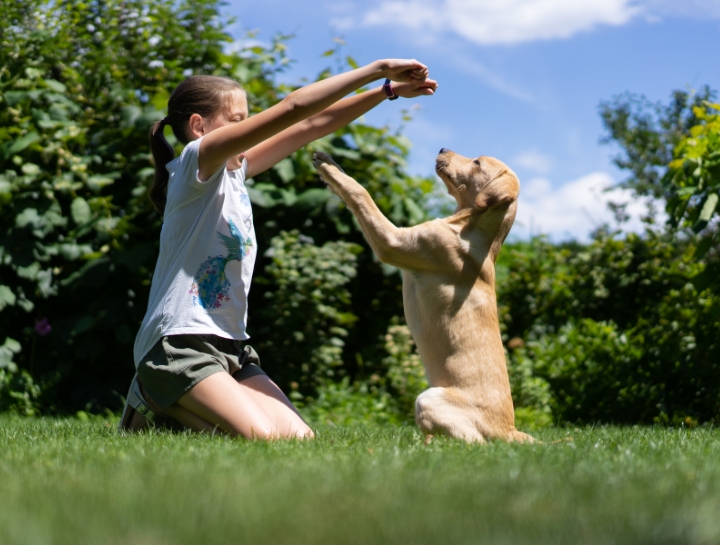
{"type": "Point", "coordinates": [448, 270]}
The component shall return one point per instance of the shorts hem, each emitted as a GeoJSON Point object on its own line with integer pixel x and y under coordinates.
{"type": "Point", "coordinates": [205, 373]}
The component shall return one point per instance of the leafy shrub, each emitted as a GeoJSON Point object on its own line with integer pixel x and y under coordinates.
{"type": "Point", "coordinates": [344, 403]}
{"type": "Point", "coordinates": [405, 372]}
{"type": "Point", "coordinates": [307, 313]}
{"type": "Point", "coordinates": [532, 396]}
{"type": "Point", "coordinates": [592, 369]}
{"type": "Point", "coordinates": [616, 327]}
{"type": "Point", "coordinates": [18, 392]}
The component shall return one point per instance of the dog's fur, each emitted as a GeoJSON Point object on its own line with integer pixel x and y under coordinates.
{"type": "Point", "coordinates": [448, 270]}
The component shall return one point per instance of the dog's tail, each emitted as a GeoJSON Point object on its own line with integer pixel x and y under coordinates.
{"type": "Point", "coordinates": [520, 437]}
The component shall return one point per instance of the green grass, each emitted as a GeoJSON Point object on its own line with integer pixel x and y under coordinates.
{"type": "Point", "coordinates": [74, 482]}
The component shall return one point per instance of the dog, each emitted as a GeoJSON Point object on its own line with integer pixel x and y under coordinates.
{"type": "Point", "coordinates": [448, 269]}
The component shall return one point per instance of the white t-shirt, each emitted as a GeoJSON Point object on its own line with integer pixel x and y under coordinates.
{"type": "Point", "coordinates": [207, 253]}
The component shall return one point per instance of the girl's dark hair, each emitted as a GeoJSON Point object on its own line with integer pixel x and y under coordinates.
{"type": "Point", "coordinates": [203, 95]}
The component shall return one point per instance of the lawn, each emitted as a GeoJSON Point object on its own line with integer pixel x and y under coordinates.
{"type": "Point", "coordinates": [66, 481]}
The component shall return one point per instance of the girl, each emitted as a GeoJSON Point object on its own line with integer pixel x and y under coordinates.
{"type": "Point", "coordinates": [188, 355]}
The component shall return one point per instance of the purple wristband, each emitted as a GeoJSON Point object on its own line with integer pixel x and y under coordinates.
{"type": "Point", "coordinates": [387, 87]}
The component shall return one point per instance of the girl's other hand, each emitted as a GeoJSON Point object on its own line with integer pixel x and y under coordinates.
{"type": "Point", "coordinates": [415, 88]}
{"type": "Point", "coordinates": [404, 70]}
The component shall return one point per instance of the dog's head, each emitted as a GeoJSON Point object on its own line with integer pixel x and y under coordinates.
{"type": "Point", "coordinates": [478, 184]}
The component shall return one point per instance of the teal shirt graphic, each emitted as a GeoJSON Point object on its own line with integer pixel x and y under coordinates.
{"type": "Point", "coordinates": [210, 286]}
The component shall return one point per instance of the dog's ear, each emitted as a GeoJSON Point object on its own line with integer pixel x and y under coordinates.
{"type": "Point", "coordinates": [504, 188]}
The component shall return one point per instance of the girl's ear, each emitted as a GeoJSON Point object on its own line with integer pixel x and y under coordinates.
{"type": "Point", "coordinates": [196, 124]}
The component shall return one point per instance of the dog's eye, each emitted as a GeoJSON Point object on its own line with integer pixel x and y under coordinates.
{"type": "Point", "coordinates": [477, 162]}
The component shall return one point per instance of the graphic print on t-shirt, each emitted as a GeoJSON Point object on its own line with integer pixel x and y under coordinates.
{"type": "Point", "coordinates": [210, 286]}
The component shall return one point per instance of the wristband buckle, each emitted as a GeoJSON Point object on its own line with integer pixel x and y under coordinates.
{"type": "Point", "coordinates": [387, 87]}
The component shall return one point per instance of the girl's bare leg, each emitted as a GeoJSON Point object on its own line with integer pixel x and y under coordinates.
{"type": "Point", "coordinates": [276, 406]}
{"type": "Point", "coordinates": [224, 403]}
{"type": "Point", "coordinates": [254, 408]}
{"type": "Point", "coordinates": [190, 420]}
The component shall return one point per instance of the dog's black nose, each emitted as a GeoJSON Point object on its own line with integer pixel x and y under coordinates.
{"type": "Point", "coordinates": [444, 150]}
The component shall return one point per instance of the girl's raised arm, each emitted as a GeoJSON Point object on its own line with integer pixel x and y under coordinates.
{"type": "Point", "coordinates": [267, 153]}
{"type": "Point", "coordinates": [228, 141]}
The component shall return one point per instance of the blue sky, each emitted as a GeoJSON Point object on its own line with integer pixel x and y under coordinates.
{"type": "Point", "coordinates": [520, 80]}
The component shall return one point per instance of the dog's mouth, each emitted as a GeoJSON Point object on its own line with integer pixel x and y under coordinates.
{"type": "Point", "coordinates": [440, 167]}
{"type": "Point", "coordinates": [441, 164]}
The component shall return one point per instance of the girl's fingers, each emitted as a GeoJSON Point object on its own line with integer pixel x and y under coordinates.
{"type": "Point", "coordinates": [413, 89]}
{"type": "Point", "coordinates": [430, 84]}
{"type": "Point", "coordinates": [405, 65]}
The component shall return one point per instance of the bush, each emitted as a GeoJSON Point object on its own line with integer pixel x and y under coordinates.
{"type": "Point", "coordinates": [616, 328]}
{"type": "Point", "coordinates": [307, 313]}
{"type": "Point", "coordinates": [532, 397]}
{"type": "Point", "coordinates": [405, 372]}
{"type": "Point", "coordinates": [345, 404]}
{"type": "Point", "coordinates": [18, 392]}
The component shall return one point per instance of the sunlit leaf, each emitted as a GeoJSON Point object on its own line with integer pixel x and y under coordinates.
{"type": "Point", "coordinates": [80, 211]}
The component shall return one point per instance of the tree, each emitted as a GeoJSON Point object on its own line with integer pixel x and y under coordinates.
{"type": "Point", "coordinates": [693, 183]}
{"type": "Point", "coordinates": [647, 134]}
{"type": "Point", "coordinates": [80, 85]}
{"type": "Point", "coordinates": [673, 154]}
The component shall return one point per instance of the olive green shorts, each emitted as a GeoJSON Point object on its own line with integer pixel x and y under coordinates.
{"type": "Point", "coordinates": [178, 362]}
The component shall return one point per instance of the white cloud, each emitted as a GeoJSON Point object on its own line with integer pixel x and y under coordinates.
{"type": "Point", "coordinates": [573, 210]}
{"type": "Point", "coordinates": [508, 22]}
{"type": "Point", "coordinates": [534, 161]}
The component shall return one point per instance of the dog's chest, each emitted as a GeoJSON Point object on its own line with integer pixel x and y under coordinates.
{"type": "Point", "coordinates": [432, 299]}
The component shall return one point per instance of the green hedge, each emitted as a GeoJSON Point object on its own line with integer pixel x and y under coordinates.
{"type": "Point", "coordinates": [616, 329]}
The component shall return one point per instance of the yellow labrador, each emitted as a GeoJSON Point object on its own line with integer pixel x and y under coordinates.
{"type": "Point", "coordinates": [448, 270]}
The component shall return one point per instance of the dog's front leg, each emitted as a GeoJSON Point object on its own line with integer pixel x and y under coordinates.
{"type": "Point", "coordinates": [400, 247]}
{"type": "Point", "coordinates": [387, 241]}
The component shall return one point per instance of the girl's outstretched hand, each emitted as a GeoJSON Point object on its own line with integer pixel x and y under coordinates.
{"type": "Point", "coordinates": [415, 88]}
{"type": "Point", "coordinates": [404, 70]}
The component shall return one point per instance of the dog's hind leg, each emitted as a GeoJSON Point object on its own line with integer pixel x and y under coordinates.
{"type": "Point", "coordinates": [438, 411]}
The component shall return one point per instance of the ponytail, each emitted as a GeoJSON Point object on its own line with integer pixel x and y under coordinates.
{"type": "Point", "coordinates": [202, 95]}
{"type": "Point", "coordinates": [162, 153]}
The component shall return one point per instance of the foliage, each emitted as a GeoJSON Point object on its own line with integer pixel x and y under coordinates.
{"type": "Point", "coordinates": [693, 182]}
{"type": "Point", "coordinates": [616, 328]}
{"type": "Point", "coordinates": [694, 174]}
{"type": "Point", "coordinates": [405, 372]}
{"type": "Point", "coordinates": [287, 197]}
{"type": "Point", "coordinates": [531, 393]}
{"type": "Point", "coordinates": [344, 403]}
{"type": "Point", "coordinates": [306, 315]}
{"type": "Point", "coordinates": [379, 398]}
{"type": "Point", "coordinates": [80, 84]}
{"type": "Point", "coordinates": [672, 154]}
{"type": "Point", "coordinates": [594, 370]}
{"type": "Point", "coordinates": [647, 134]}
{"type": "Point", "coordinates": [18, 392]}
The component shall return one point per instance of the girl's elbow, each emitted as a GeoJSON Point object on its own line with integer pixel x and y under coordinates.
{"type": "Point", "coordinates": [295, 102]}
